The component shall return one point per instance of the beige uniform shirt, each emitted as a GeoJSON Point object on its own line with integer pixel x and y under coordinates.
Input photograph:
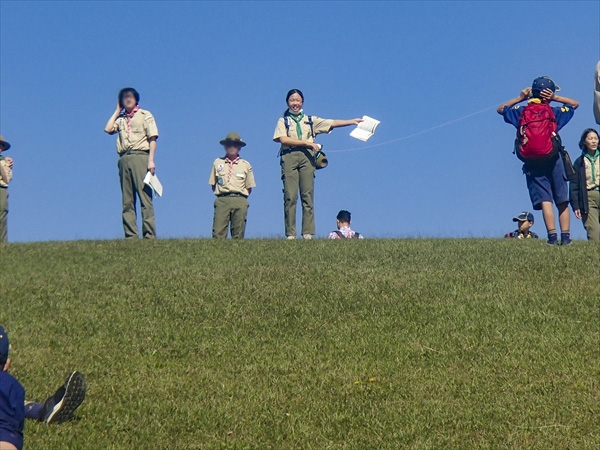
{"type": "Point", "coordinates": [229, 178]}
{"type": "Point", "coordinates": [136, 135]}
{"type": "Point", "coordinates": [319, 126]}
{"type": "Point", "coordinates": [589, 181]}
{"type": "Point", "coordinates": [8, 171]}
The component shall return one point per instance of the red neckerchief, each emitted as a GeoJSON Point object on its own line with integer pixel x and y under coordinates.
{"type": "Point", "coordinates": [231, 163]}
{"type": "Point", "coordinates": [129, 116]}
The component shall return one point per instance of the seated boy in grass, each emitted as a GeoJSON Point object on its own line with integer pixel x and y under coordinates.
{"type": "Point", "coordinates": [344, 220]}
{"type": "Point", "coordinates": [525, 220]}
{"type": "Point", "coordinates": [545, 174]}
{"type": "Point", "coordinates": [14, 409]}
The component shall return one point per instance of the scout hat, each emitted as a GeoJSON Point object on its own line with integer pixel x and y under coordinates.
{"type": "Point", "coordinates": [233, 138]}
{"type": "Point", "coordinates": [4, 346]}
{"type": "Point", "coordinates": [3, 144]}
{"type": "Point", "coordinates": [321, 160]}
{"type": "Point", "coordinates": [524, 216]}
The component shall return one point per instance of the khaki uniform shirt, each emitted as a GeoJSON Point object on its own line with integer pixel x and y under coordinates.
{"type": "Point", "coordinates": [589, 181]}
{"type": "Point", "coordinates": [8, 171]}
{"type": "Point", "coordinates": [135, 137]}
{"type": "Point", "coordinates": [319, 126]}
{"type": "Point", "coordinates": [238, 181]}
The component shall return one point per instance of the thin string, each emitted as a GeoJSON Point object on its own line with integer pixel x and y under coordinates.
{"type": "Point", "coordinates": [414, 134]}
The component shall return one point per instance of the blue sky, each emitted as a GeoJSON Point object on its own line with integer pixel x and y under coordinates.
{"type": "Point", "coordinates": [207, 68]}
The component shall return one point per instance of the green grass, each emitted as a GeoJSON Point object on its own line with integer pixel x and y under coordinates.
{"type": "Point", "coordinates": [272, 344]}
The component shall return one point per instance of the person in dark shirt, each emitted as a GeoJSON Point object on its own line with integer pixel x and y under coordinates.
{"type": "Point", "coordinates": [525, 220]}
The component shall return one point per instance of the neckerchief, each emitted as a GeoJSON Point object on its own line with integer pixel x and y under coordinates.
{"type": "Point", "coordinates": [129, 116]}
{"type": "Point", "coordinates": [231, 163]}
{"type": "Point", "coordinates": [298, 119]}
{"type": "Point", "coordinates": [592, 160]}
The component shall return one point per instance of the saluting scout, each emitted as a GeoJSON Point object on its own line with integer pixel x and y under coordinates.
{"type": "Point", "coordinates": [232, 180]}
{"type": "Point", "coordinates": [5, 178]}
{"type": "Point", "coordinates": [296, 132]}
{"type": "Point", "coordinates": [136, 145]}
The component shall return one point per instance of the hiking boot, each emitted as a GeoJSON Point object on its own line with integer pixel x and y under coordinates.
{"type": "Point", "coordinates": [307, 236]}
{"type": "Point", "coordinates": [61, 406]}
{"type": "Point", "coordinates": [565, 239]}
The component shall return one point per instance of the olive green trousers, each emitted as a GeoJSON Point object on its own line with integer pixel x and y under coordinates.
{"type": "Point", "coordinates": [591, 220]}
{"type": "Point", "coordinates": [3, 215]}
{"type": "Point", "coordinates": [230, 212]}
{"type": "Point", "coordinates": [298, 174]}
{"type": "Point", "coordinates": [133, 167]}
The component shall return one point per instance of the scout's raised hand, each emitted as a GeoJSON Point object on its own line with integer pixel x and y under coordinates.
{"type": "Point", "coordinates": [9, 161]}
{"type": "Point", "coordinates": [547, 94]}
{"type": "Point", "coordinates": [525, 93]}
{"type": "Point", "coordinates": [356, 121]}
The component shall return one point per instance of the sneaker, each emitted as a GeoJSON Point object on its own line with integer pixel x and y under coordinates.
{"type": "Point", "coordinates": [552, 239]}
{"type": "Point", "coordinates": [291, 238]}
{"type": "Point", "coordinates": [61, 406]}
{"type": "Point", "coordinates": [307, 236]}
{"type": "Point", "coordinates": [565, 239]}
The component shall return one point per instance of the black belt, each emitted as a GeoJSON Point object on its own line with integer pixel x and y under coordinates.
{"type": "Point", "coordinates": [135, 152]}
{"type": "Point", "coordinates": [292, 149]}
{"type": "Point", "coordinates": [232, 194]}
{"type": "Point", "coordinates": [597, 188]}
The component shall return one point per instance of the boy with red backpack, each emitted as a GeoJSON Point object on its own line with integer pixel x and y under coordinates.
{"type": "Point", "coordinates": [538, 146]}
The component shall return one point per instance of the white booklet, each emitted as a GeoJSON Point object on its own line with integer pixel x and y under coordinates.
{"type": "Point", "coordinates": [365, 129]}
{"type": "Point", "coordinates": [154, 183]}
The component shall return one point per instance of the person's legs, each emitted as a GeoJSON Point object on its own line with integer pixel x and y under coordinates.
{"type": "Point", "coordinates": [560, 195]}
{"type": "Point", "coordinates": [3, 215]}
{"type": "Point", "coordinates": [289, 175]}
{"type": "Point", "coordinates": [239, 212]}
{"type": "Point", "coordinates": [540, 192]}
{"type": "Point", "coordinates": [221, 216]}
{"type": "Point", "coordinates": [139, 169]}
{"type": "Point", "coordinates": [306, 172]}
{"type": "Point", "coordinates": [128, 194]}
{"type": "Point", "coordinates": [592, 218]}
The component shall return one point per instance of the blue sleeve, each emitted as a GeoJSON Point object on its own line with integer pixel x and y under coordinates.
{"type": "Point", "coordinates": [512, 114]}
{"type": "Point", "coordinates": [17, 395]}
{"type": "Point", "coordinates": [563, 114]}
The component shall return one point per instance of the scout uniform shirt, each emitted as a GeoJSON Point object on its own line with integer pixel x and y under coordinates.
{"type": "Point", "coordinates": [134, 133]}
{"type": "Point", "coordinates": [8, 171]}
{"type": "Point", "coordinates": [592, 171]}
{"type": "Point", "coordinates": [231, 177]}
{"type": "Point", "coordinates": [319, 126]}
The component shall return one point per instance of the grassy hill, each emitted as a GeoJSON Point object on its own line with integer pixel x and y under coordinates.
{"type": "Point", "coordinates": [273, 344]}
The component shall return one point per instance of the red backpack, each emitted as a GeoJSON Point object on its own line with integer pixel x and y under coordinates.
{"type": "Point", "coordinates": [536, 133]}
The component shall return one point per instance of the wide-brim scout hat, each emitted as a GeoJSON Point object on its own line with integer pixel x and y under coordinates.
{"type": "Point", "coordinates": [321, 160]}
{"type": "Point", "coordinates": [3, 144]}
{"type": "Point", "coordinates": [524, 216]}
{"type": "Point", "coordinates": [233, 138]}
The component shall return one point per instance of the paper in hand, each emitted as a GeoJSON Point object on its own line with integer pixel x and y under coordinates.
{"type": "Point", "coordinates": [154, 183]}
{"type": "Point", "coordinates": [365, 129]}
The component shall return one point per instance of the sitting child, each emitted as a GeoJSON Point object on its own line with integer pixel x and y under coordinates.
{"type": "Point", "coordinates": [525, 220]}
{"type": "Point", "coordinates": [344, 219]}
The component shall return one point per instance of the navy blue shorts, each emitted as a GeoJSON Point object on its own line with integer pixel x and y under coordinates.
{"type": "Point", "coordinates": [15, 439]}
{"type": "Point", "coordinates": [547, 183]}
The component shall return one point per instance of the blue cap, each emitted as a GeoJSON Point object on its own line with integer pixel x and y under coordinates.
{"type": "Point", "coordinates": [524, 216]}
{"type": "Point", "coordinates": [541, 83]}
{"type": "Point", "coordinates": [4, 346]}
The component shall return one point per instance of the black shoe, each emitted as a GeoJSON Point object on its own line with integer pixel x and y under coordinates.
{"type": "Point", "coordinates": [61, 406]}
